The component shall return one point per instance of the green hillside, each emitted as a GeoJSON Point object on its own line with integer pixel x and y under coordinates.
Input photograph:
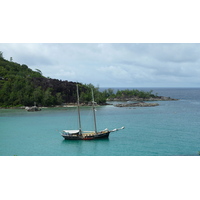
{"type": "Point", "coordinates": [21, 86]}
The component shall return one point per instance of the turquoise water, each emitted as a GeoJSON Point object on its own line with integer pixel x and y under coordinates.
{"type": "Point", "coordinates": [171, 129]}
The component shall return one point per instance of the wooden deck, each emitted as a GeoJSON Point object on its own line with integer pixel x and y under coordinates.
{"type": "Point", "coordinates": [92, 133]}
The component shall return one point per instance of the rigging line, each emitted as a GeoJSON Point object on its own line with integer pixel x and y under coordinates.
{"type": "Point", "coordinates": [93, 107]}
{"type": "Point", "coordinates": [79, 116]}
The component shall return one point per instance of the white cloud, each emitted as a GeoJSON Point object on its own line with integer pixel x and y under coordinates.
{"type": "Point", "coordinates": [176, 52]}
{"type": "Point", "coordinates": [115, 72]}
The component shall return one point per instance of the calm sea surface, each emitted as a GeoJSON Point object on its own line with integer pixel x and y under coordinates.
{"type": "Point", "coordinates": [171, 129]}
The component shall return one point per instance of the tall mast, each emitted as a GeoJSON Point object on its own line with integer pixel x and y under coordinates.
{"type": "Point", "coordinates": [93, 107]}
{"type": "Point", "coordinates": [79, 115]}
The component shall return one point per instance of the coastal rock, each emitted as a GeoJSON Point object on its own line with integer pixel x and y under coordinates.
{"type": "Point", "coordinates": [157, 98]}
{"type": "Point", "coordinates": [140, 104]}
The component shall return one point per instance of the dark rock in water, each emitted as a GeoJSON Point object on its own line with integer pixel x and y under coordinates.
{"type": "Point", "coordinates": [140, 104]}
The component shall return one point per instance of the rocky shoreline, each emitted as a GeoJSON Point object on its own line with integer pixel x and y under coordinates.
{"type": "Point", "coordinates": [140, 104]}
{"type": "Point", "coordinates": [64, 105]}
{"type": "Point", "coordinates": [157, 98]}
{"type": "Point", "coordinates": [140, 101]}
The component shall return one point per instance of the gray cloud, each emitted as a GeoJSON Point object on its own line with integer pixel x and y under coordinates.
{"type": "Point", "coordinates": [108, 64]}
{"type": "Point", "coordinates": [177, 52]}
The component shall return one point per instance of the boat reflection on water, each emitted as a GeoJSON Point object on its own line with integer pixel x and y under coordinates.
{"type": "Point", "coordinates": [82, 148]}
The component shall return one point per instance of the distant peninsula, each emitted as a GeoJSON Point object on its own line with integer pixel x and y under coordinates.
{"type": "Point", "coordinates": [137, 98]}
{"type": "Point", "coordinates": [21, 86]}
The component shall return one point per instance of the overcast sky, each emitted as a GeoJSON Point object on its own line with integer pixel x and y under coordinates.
{"type": "Point", "coordinates": [112, 64]}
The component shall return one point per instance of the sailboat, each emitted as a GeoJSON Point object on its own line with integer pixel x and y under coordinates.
{"type": "Point", "coordinates": [87, 135]}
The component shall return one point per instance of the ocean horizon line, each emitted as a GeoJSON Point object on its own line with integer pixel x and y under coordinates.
{"type": "Point", "coordinates": [150, 87]}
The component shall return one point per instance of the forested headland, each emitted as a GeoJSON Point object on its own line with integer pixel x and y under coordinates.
{"type": "Point", "coordinates": [22, 86]}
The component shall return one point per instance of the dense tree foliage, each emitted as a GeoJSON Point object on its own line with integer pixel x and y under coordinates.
{"type": "Point", "coordinates": [134, 93]}
{"type": "Point", "coordinates": [19, 85]}
{"type": "Point", "coordinates": [125, 94]}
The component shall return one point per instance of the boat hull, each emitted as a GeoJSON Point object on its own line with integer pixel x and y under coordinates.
{"type": "Point", "coordinates": [86, 137]}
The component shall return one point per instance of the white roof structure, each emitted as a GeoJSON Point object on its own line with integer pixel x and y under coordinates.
{"type": "Point", "coordinates": [71, 131]}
